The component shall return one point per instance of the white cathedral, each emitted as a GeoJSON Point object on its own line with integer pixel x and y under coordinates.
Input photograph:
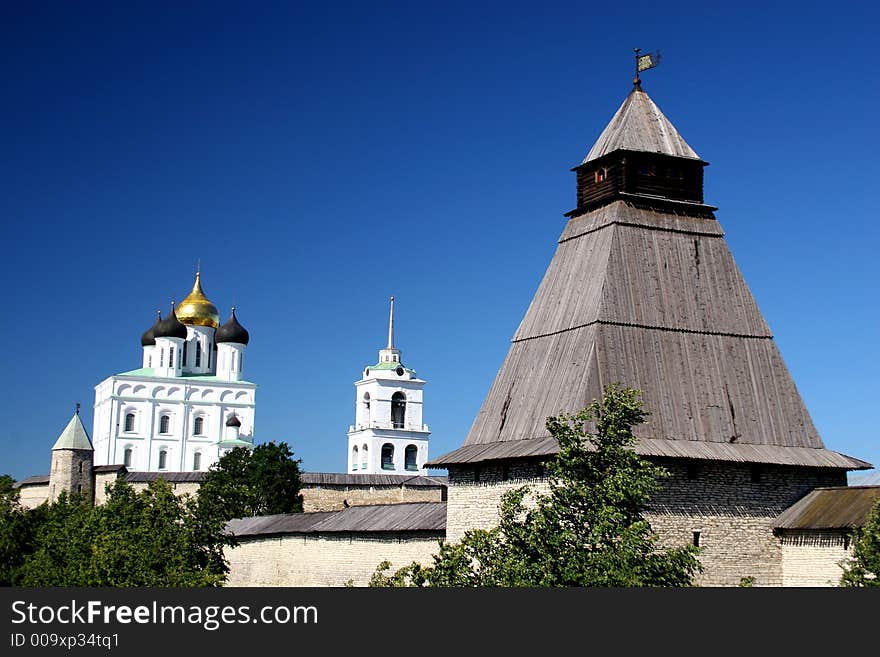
{"type": "Point", "coordinates": [388, 436]}
{"type": "Point", "coordinates": [187, 404]}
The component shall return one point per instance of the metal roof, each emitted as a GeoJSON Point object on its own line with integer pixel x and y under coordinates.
{"type": "Point", "coordinates": [409, 517]}
{"type": "Point", "coordinates": [32, 481]}
{"type": "Point", "coordinates": [845, 507]}
{"type": "Point", "coordinates": [350, 479]}
{"type": "Point", "coordinates": [639, 125]}
{"type": "Point", "coordinates": [171, 477]}
{"type": "Point", "coordinates": [74, 436]}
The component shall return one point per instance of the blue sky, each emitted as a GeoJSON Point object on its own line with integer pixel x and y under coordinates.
{"type": "Point", "coordinates": [320, 157]}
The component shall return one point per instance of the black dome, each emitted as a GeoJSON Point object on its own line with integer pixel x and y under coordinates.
{"type": "Point", "coordinates": [170, 327]}
{"type": "Point", "coordinates": [148, 339]}
{"type": "Point", "coordinates": [233, 421]}
{"type": "Point", "coordinates": [232, 331]}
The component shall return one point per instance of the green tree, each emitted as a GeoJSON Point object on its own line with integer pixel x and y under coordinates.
{"type": "Point", "coordinates": [262, 481]}
{"type": "Point", "coordinates": [588, 530]}
{"type": "Point", "coordinates": [150, 538]}
{"type": "Point", "coordinates": [863, 569]}
{"type": "Point", "coordinates": [17, 532]}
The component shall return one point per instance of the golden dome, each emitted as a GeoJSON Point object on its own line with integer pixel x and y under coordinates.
{"type": "Point", "coordinates": [196, 310]}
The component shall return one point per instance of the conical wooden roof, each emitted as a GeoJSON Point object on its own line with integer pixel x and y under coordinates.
{"type": "Point", "coordinates": [639, 125]}
{"type": "Point", "coordinates": [654, 301]}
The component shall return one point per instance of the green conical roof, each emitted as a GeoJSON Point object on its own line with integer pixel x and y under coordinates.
{"type": "Point", "coordinates": [74, 436]}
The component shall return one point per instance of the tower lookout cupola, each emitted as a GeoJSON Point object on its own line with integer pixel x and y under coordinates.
{"type": "Point", "coordinates": [641, 158]}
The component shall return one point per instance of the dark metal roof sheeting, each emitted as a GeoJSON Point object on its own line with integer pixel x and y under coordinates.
{"type": "Point", "coordinates": [410, 517]}
{"type": "Point", "coordinates": [345, 479]}
{"type": "Point", "coordinates": [109, 468]}
{"type": "Point", "coordinates": [32, 481]}
{"type": "Point", "coordinates": [170, 477]}
{"type": "Point", "coordinates": [690, 449]}
{"type": "Point", "coordinates": [830, 508]}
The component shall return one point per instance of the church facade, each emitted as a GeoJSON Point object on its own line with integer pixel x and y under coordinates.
{"type": "Point", "coordinates": [188, 403]}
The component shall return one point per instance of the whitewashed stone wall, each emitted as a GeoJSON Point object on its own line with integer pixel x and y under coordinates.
{"type": "Point", "coordinates": [814, 558]}
{"type": "Point", "coordinates": [31, 497]}
{"type": "Point", "coordinates": [332, 498]}
{"type": "Point", "coordinates": [733, 514]}
{"type": "Point", "coordinates": [326, 559]}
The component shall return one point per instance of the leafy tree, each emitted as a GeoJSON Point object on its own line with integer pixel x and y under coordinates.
{"type": "Point", "coordinates": [17, 532]}
{"type": "Point", "coordinates": [587, 531]}
{"type": "Point", "coordinates": [863, 569]}
{"type": "Point", "coordinates": [252, 483]}
{"type": "Point", "coordinates": [150, 538]}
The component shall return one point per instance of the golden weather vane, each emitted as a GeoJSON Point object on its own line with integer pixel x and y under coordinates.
{"type": "Point", "coordinates": [644, 62]}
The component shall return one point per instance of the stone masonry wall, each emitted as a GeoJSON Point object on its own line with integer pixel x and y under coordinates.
{"type": "Point", "coordinates": [731, 505]}
{"type": "Point", "coordinates": [33, 496]}
{"type": "Point", "coordinates": [331, 498]}
{"type": "Point", "coordinates": [814, 558]}
{"type": "Point", "coordinates": [324, 559]}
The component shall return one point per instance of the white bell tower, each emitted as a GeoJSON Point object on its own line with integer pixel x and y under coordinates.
{"type": "Point", "coordinates": [388, 436]}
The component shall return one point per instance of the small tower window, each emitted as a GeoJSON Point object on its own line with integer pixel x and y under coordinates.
{"type": "Point", "coordinates": [354, 458]}
{"type": "Point", "coordinates": [184, 352]}
{"type": "Point", "coordinates": [129, 421]}
{"type": "Point", "coordinates": [198, 354]}
{"type": "Point", "coordinates": [240, 362]}
{"type": "Point", "coordinates": [163, 459]}
{"type": "Point", "coordinates": [161, 358]}
{"type": "Point", "coordinates": [364, 460]}
{"type": "Point", "coordinates": [696, 539]}
{"type": "Point", "coordinates": [601, 175]}
{"type": "Point", "coordinates": [164, 423]}
{"type": "Point", "coordinates": [198, 426]}
{"type": "Point", "coordinates": [410, 457]}
{"type": "Point", "coordinates": [150, 360]}
{"type": "Point", "coordinates": [80, 467]}
{"type": "Point", "coordinates": [126, 457]}
{"type": "Point", "coordinates": [171, 357]}
{"type": "Point", "coordinates": [197, 461]}
{"type": "Point", "coordinates": [398, 410]}
{"type": "Point", "coordinates": [387, 456]}
{"type": "Point", "coordinates": [367, 409]}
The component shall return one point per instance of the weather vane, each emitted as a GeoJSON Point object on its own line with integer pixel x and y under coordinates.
{"type": "Point", "coordinates": [644, 62]}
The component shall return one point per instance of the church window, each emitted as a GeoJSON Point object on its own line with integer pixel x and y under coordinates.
{"type": "Point", "coordinates": [163, 459]}
{"type": "Point", "coordinates": [367, 409]}
{"type": "Point", "coordinates": [410, 457]}
{"type": "Point", "coordinates": [126, 458]}
{"type": "Point", "coordinates": [354, 458]}
{"type": "Point", "coordinates": [198, 354]}
{"type": "Point", "coordinates": [80, 467]}
{"type": "Point", "coordinates": [171, 357]}
{"type": "Point", "coordinates": [364, 457]}
{"type": "Point", "coordinates": [601, 175]}
{"type": "Point", "coordinates": [150, 360]}
{"type": "Point", "coordinates": [129, 421]}
{"type": "Point", "coordinates": [197, 461]}
{"type": "Point", "coordinates": [198, 426]}
{"type": "Point", "coordinates": [161, 358]}
{"type": "Point", "coordinates": [398, 410]}
{"type": "Point", "coordinates": [164, 423]}
{"type": "Point", "coordinates": [240, 361]}
{"type": "Point", "coordinates": [696, 539]}
{"type": "Point", "coordinates": [184, 352]}
{"type": "Point", "coordinates": [387, 456]}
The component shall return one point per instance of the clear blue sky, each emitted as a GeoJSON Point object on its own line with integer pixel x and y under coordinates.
{"type": "Point", "coordinates": [320, 157]}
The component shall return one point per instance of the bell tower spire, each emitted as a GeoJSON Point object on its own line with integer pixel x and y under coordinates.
{"type": "Point", "coordinates": [389, 354]}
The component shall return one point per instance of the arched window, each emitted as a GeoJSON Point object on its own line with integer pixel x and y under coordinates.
{"type": "Point", "coordinates": [197, 461]}
{"type": "Point", "coordinates": [410, 457]}
{"type": "Point", "coordinates": [364, 461]}
{"type": "Point", "coordinates": [387, 456]}
{"type": "Point", "coordinates": [398, 410]}
{"type": "Point", "coordinates": [164, 423]}
{"type": "Point", "coordinates": [126, 457]}
{"type": "Point", "coordinates": [198, 425]}
{"type": "Point", "coordinates": [198, 354]}
{"type": "Point", "coordinates": [163, 459]}
{"type": "Point", "coordinates": [354, 458]}
{"type": "Point", "coordinates": [129, 421]}
{"type": "Point", "coordinates": [366, 409]}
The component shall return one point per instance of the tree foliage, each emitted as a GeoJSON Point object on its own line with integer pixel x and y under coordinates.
{"type": "Point", "coordinates": [150, 538]}
{"type": "Point", "coordinates": [245, 483]}
{"type": "Point", "coordinates": [588, 530]}
{"type": "Point", "coordinates": [863, 569]}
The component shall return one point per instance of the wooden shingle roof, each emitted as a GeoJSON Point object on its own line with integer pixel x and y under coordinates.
{"type": "Point", "coordinates": [843, 507]}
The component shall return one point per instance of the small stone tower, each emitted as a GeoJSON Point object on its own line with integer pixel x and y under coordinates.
{"type": "Point", "coordinates": [72, 460]}
{"type": "Point", "coordinates": [388, 436]}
